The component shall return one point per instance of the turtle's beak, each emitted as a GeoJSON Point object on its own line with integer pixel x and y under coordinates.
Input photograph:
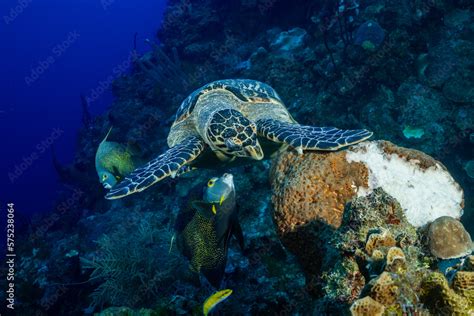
{"type": "Point", "coordinates": [254, 152]}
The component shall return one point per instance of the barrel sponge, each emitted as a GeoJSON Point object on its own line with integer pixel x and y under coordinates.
{"type": "Point", "coordinates": [367, 306]}
{"type": "Point", "coordinates": [384, 290]}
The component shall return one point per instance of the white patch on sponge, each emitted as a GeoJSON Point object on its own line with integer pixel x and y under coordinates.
{"type": "Point", "coordinates": [424, 194]}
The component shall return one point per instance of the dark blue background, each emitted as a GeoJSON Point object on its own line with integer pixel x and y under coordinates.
{"type": "Point", "coordinates": [30, 112]}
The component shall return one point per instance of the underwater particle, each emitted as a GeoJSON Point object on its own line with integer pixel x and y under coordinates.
{"type": "Point", "coordinates": [437, 295]}
{"type": "Point", "coordinates": [448, 239]}
{"type": "Point", "coordinates": [376, 241]}
{"type": "Point", "coordinates": [469, 168]}
{"type": "Point", "coordinates": [211, 302]}
{"type": "Point", "coordinates": [396, 260]}
{"type": "Point", "coordinates": [413, 132]}
{"type": "Point", "coordinates": [384, 290]}
{"type": "Point", "coordinates": [367, 306]}
{"type": "Point", "coordinates": [369, 35]}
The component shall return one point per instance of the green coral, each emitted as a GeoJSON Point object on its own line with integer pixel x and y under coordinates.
{"type": "Point", "coordinates": [413, 132]}
{"type": "Point", "coordinates": [440, 298]}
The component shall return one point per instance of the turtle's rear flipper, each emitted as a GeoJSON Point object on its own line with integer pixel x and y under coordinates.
{"type": "Point", "coordinates": [308, 137]}
{"type": "Point", "coordinates": [166, 164]}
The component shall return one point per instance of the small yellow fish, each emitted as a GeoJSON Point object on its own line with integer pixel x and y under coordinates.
{"type": "Point", "coordinates": [215, 299]}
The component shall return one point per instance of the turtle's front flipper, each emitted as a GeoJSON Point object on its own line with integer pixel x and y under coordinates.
{"type": "Point", "coordinates": [308, 137]}
{"type": "Point", "coordinates": [166, 164]}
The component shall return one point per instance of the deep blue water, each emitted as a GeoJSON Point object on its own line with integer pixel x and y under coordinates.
{"type": "Point", "coordinates": [52, 51]}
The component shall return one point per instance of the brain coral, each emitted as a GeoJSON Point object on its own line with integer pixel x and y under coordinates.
{"type": "Point", "coordinates": [448, 238]}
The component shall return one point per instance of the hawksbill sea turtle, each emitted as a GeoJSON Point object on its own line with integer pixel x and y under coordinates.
{"type": "Point", "coordinates": [229, 122]}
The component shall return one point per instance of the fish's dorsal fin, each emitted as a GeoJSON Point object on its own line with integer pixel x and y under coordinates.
{"type": "Point", "coordinates": [106, 136]}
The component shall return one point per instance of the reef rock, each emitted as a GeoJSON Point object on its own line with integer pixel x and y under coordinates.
{"type": "Point", "coordinates": [448, 238]}
{"type": "Point", "coordinates": [369, 35]}
{"type": "Point", "coordinates": [290, 40]}
{"type": "Point", "coordinates": [316, 186]}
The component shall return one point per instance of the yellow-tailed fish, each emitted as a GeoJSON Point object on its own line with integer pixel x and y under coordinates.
{"type": "Point", "coordinates": [215, 299]}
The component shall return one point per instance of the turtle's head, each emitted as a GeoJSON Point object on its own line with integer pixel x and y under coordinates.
{"type": "Point", "coordinates": [232, 134]}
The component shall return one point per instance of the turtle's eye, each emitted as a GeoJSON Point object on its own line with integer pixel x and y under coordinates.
{"type": "Point", "coordinates": [104, 177]}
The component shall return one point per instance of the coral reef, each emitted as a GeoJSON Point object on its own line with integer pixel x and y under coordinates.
{"type": "Point", "coordinates": [384, 247]}
{"type": "Point", "coordinates": [449, 239]}
{"type": "Point", "coordinates": [414, 88]}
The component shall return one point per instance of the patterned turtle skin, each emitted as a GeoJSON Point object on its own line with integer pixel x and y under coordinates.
{"type": "Point", "coordinates": [230, 122]}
